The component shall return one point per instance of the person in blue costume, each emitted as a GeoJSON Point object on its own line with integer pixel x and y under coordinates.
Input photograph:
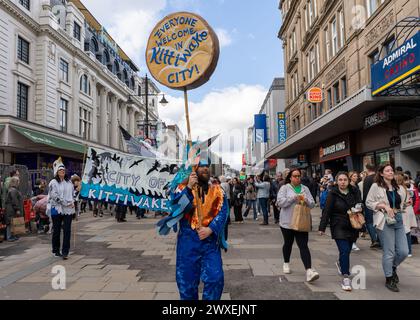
{"type": "Point", "coordinates": [198, 247]}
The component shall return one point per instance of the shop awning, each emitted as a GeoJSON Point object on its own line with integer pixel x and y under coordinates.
{"type": "Point", "coordinates": [49, 140]}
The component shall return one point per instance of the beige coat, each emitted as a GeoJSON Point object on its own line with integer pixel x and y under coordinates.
{"type": "Point", "coordinates": [409, 217]}
{"type": "Point", "coordinates": [376, 196]}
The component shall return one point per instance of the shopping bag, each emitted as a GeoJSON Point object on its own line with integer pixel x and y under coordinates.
{"type": "Point", "coordinates": [357, 219]}
{"type": "Point", "coordinates": [301, 220]}
{"type": "Point", "coordinates": [18, 226]}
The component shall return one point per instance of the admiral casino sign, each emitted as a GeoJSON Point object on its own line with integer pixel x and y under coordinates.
{"type": "Point", "coordinates": [182, 51]}
{"type": "Point", "coordinates": [397, 66]}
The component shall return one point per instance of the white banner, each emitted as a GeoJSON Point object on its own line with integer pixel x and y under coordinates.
{"type": "Point", "coordinates": [120, 178]}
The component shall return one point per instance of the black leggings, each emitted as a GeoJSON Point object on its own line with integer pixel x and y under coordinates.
{"type": "Point", "coordinates": [302, 242]}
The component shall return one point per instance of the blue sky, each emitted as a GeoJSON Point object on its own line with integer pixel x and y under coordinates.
{"type": "Point", "coordinates": [254, 54]}
{"type": "Point", "coordinates": [251, 56]}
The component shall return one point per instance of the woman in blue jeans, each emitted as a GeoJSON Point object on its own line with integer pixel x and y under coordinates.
{"type": "Point", "coordinates": [385, 198]}
{"type": "Point", "coordinates": [263, 194]}
{"type": "Point", "coordinates": [340, 199]}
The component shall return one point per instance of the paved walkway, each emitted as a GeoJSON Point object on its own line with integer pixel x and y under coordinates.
{"type": "Point", "coordinates": [129, 260]}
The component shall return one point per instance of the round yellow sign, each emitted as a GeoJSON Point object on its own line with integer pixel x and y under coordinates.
{"type": "Point", "coordinates": [182, 51]}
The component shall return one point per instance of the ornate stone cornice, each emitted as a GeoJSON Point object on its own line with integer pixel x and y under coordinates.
{"type": "Point", "coordinates": [18, 13]}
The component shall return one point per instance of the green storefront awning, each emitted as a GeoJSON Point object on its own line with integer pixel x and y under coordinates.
{"type": "Point", "coordinates": [50, 140]}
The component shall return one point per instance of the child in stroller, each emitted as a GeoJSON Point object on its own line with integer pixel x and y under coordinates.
{"type": "Point", "coordinates": [42, 220]}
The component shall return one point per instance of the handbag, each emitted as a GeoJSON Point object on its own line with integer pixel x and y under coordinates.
{"type": "Point", "coordinates": [357, 219]}
{"type": "Point", "coordinates": [301, 219]}
{"type": "Point", "coordinates": [388, 219]}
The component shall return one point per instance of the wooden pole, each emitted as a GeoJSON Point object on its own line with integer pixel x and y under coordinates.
{"type": "Point", "coordinates": [195, 191]}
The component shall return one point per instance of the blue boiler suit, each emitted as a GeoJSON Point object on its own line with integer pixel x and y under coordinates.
{"type": "Point", "coordinates": [200, 259]}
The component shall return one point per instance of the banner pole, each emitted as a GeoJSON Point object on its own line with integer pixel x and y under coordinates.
{"type": "Point", "coordinates": [195, 191]}
{"type": "Point", "coordinates": [81, 181]}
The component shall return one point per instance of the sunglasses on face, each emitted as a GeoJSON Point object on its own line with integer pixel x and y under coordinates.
{"type": "Point", "coordinates": [296, 176]}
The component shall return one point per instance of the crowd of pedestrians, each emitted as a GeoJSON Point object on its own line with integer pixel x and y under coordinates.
{"type": "Point", "coordinates": [386, 200]}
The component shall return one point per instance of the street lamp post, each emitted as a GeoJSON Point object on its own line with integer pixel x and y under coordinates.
{"type": "Point", "coordinates": [163, 102]}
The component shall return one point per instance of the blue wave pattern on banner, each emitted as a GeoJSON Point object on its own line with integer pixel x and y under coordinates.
{"type": "Point", "coordinates": [115, 195]}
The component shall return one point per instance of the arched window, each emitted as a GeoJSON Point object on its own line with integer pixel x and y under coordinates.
{"type": "Point", "coordinates": [85, 84]}
{"type": "Point", "coordinates": [117, 69]}
{"type": "Point", "coordinates": [125, 78]}
{"type": "Point", "coordinates": [93, 46]}
{"type": "Point", "coordinates": [107, 60]}
{"type": "Point", "coordinates": [132, 84]}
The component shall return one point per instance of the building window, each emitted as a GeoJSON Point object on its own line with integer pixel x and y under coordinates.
{"type": "Point", "coordinates": [22, 101]}
{"type": "Point", "coordinates": [77, 31]}
{"type": "Point", "coordinates": [336, 89]}
{"type": "Point", "coordinates": [344, 88]}
{"type": "Point", "coordinates": [334, 37]}
{"type": "Point", "coordinates": [313, 63]}
{"type": "Point", "coordinates": [321, 108]}
{"type": "Point", "coordinates": [318, 65]}
{"type": "Point", "coordinates": [342, 33]}
{"type": "Point", "coordinates": [26, 4]}
{"type": "Point", "coordinates": [330, 100]}
{"type": "Point", "coordinates": [64, 70]}
{"type": "Point", "coordinates": [64, 104]}
{"type": "Point", "coordinates": [23, 50]}
{"type": "Point", "coordinates": [85, 123]}
{"type": "Point", "coordinates": [93, 46]}
{"type": "Point", "coordinates": [327, 44]}
{"type": "Point", "coordinates": [372, 6]}
{"type": "Point", "coordinates": [312, 112]}
{"type": "Point", "coordinates": [85, 84]}
{"type": "Point", "coordinates": [292, 43]}
{"type": "Point", "coordinates": [389, 45]}
{"type": "Point", "coordinates": [297, 124]}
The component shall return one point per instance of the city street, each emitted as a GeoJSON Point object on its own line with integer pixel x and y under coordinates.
{"type": "Point", "coordinates": [130, 261]}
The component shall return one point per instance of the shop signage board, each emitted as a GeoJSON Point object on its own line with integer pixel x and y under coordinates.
{"type": "Point", "coordinates": [397, 66]}
{"type": "Point", "coordinates": [182, 51]}
{"type": "Point", "coordinates": [336, 149]}
{"type": "Point", "coordinates": [375, 119]}
{"type": "Point", "coordinates": [281, 116]}
{"type": "Point", "coordinates": [260, 126]}
{"type": "Point", "coordinates": [410, 140]}
{"type": "Point", "coordinates": [314, 95]}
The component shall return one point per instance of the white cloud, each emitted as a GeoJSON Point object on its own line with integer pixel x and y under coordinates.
{"type": "Point", "coordinates": [228, 111]}
{"type": "Point", "coordinates": [225, 38]}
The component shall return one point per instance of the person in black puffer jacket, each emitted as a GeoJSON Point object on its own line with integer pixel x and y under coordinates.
{"type": "Point", "coordinates": [341, 198]}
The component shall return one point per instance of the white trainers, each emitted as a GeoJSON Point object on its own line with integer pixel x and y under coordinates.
{"type": "Point", "coordinates": [355, 247]}
{"type": "Point", "coordinates": [311, 275]}
{"type": "Point", "coordinates": [286, 268]}
{"type": "Point", "coordinates": [410, 255]}
{"type": "Point", "coordinates": [346, 284]}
